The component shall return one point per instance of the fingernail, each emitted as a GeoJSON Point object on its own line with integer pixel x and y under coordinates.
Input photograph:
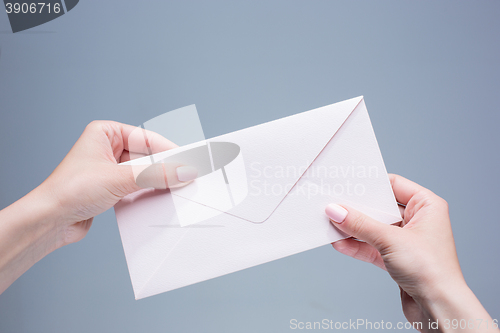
{"type": "Point", "coordinates": [336, 213]}
{"type": "Point", "coordinates": [186, 173]}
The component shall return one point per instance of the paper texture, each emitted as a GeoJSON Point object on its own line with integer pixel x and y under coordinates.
{"type": "Point", "coordinates": [288, 171]}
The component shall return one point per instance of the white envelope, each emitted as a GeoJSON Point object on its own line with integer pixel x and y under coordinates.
{"type": "Point", "coordinates": [292, 169]}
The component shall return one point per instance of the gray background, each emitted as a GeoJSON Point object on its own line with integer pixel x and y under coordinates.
{"type": "Point", "coordinates": [429, 72]}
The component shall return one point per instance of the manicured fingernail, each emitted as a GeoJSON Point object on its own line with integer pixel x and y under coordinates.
{"type": "Point", "coordinates": [336, 213]}
{"type": "Point", "coordinates": [186, 173]}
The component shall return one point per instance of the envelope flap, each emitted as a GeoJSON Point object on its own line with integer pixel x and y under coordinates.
{"type": "Point", "coordinates": [275, 155]}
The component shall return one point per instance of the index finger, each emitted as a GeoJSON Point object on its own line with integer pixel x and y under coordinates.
{"type": "Point", "coordinates": [404, 189]}
{"type": "Point", "coordinates": [141, 141]}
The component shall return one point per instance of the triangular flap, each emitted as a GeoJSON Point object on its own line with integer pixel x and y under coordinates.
{"type": "Point", "coordinates": [273, 157]}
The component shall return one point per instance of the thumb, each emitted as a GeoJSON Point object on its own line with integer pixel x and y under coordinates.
{"type": "Point", "coordinates": [157, 175]}
{"type": "Point", "coordinates": [359, 225]}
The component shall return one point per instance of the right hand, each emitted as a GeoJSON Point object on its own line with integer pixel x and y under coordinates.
{"type": "Point", "coordinates": [419, 253]}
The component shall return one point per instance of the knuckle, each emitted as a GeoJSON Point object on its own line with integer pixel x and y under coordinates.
{"type": "Point", "coordinates": [379, 241]}
{"type": "Point", "coordinates": [443, 204]}
{"type": "Point", "coordinates": [95, 124]}
{"type": "Point", "coordinates": [122, 185]}
{"type": "Point", "coordinates": [427, 200]}
{"type": "Point", "coordinates": [422, 199]}
{"type": "Point", "coordinates": [356, 224]}
{"type": "Point", "coordinates": [432, 199]}
{"type": "Point", "coordinates": [372, 257]}
{"type": "Point", "coordinates": [152, 139]}
{"type": "Point", "coordinates": [393, 178]}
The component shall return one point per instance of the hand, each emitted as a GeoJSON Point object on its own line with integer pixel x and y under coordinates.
{"type": "Point", "coordinates": [419, 254]}
{"type": "Point", "coordinates": [86, 183]}
{"type": "Point", "coordinates": [89, 180]}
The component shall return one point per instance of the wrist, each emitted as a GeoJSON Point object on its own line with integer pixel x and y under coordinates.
{"type": "Point", "coordinates": [48, 217]}
{"type": "Point", "coordinates": [28, 232]}
{"type": "Point", "coordinates": [37, 218]}
{"type": "Point", "coordinates": [456, 303]}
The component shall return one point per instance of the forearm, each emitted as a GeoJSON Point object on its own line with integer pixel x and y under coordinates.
{"type": "Point", "coordinates": [27, 233]}
{"type": "Point", "coordinates": [458, 310]}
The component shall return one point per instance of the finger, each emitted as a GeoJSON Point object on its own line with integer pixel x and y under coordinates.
{"type": "Point", "coordinates": [404, 189]}
{"type": "Point", "coordinates": [125, 157]}
{"type": "Point", "coordinates": [126, 137]}
{"type": "Point", "coordinates": [157, 175]}
{"type": "Point", "coordinates": [142, 141]}
{"type": "Point", "coordinates": [357, 224]}
{"type": "Point", "coordinates": [359, 250]}
{"type": "Point", "coordinates": [401, 210]}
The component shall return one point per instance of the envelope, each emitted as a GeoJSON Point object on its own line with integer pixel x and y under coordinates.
{"type": "Point", "coordinates": [284, 173]}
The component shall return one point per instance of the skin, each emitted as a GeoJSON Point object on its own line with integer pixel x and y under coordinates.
{"type": "Point", "coordinates": [86, 183]}
{"type": "Point", "coordinates": [419, 255]}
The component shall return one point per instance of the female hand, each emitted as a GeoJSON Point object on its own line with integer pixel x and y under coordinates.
{"type": "Point", "coordinates": [86, 183]}
{"type": "Point", "coordinates": [89, 180]}
{"type": "Point", "coordinates": [419, 254]}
